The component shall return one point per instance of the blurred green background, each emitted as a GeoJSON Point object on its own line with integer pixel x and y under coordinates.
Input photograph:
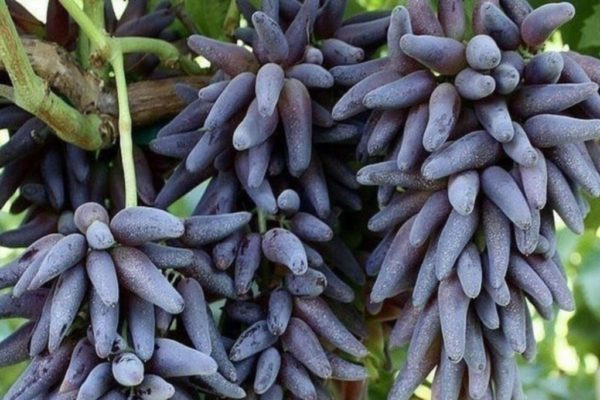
{"type": "Point", "coordinates": [569, 346]}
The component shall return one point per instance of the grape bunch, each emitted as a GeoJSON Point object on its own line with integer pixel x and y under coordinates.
{"type": "Point", "coordinates": [487, 138]}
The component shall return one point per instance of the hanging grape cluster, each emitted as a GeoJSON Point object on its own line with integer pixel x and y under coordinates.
{"type": "Point", "coordinates": [474, 137]}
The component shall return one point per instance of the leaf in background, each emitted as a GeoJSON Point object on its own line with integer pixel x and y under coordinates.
{"type": "Point", "coordinates": [213, 18]}
{"type": "Point", "coordinates": [590, 30]}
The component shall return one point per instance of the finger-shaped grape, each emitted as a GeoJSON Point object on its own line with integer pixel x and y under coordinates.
{"type": "Point", "coordinates": [562, 199]}
{"type": "Point", "coordinates": [399, 209]}
{"type": "Point", "coordinates": [496, 24]}
{"type": "Point", "coordinates": [349, 75]}
{"type": "Point", "coordinates": [295, 378]}
{"type": "Point", "coordinates": [141, 321]}
{"type": "Point", "coordinates": [97, 382]}
{"type": "Point", "coordinates": [448, 378]}
{"type": "Point", "coordinates": [15, 347]}
{"type": "Point", "coordinates": [453, 304]}
{"type": "Point", "coordinates": [362, 34]}
{"type": "Point", "coordinates": [507, 78]}
{"type": "Point", "coordinates": [309, 284]}
{"type": "Point", "coordinates": [317, 314]}
{"type": "Point", "coordinates": [301, 342]}
{"type": "Point", "coordinates": [512, 320]}
{"type": "Point", "coordinates": [283, 247]}
{"type": "Point", "coordinates": [541, 22]}
{"type": "Point", "coordinates": [544, 68]}
{"type": "Point", "coordinates": [252, 341]}
{"type": "Point", "coordinates": [457, 232]}
{"type": "Point", "coordinates": [463, 189]}
{"type": "Point", "coordinates": [83, 360]}
{"type": "Point", "coordinates": [204, 229]}
{"type": "Point", "coordinates": [232, 59]}
{"type": "Point", "coordinates": [280, 311]}
{"type": "Point", "coordinates": [387, 173]}
{"type": "Point", "coordinates": [411, 150]}
{"type": "Point", "coordinates": [482, 53]}
{"type": "Point", "coordinates": [451, 14]}
{"type": "Point", "coordinates": [469, 272]}
{"type": "Point", "coordinates": [173, 359]}
{"type": "Point", "coordinates": [494, 116]}
{"type": "Point", "coordinates": [137, 273]}
{"type": "Point", "coordinates": [444, 110]}
{"type": "Point", "coordinates": [101, 272]}
{"type": "Point", "coordinates": [272, 37]}
{"type": "Point", "coordinates": [63, 255]}
{"type": "Point", "coordinates": [503, 374]}
{"type": "Point", "coordinates": [423, 19]}
{"type": "Point", "coordinates": [487, 311]}
{"type": "Point", "coordinates": [404, 326]}
{"type": "Point", "coordinates": [68, 296]}
{"type": "Point", "coordinates": [211, 279]}
{"type": "Point", "coordinates": [267, 369]}
{"type": "Point", "coordinates": [503, 191]}
{"type": "Point", "coordinates": [153, 387]}
{"type": "Point", "coordinates": [127, 369]}
{"type": "Point", "coordinates": [104, 323]}
{"type": "Point", "coordinates": [427, 281]}
{"type": "Point", "coordinates": [473, 85]}
{"type": "Point", "coordinates": [407, 91]}
{"type": "Point", "coordinates": [549, 272]}
{"type": "Point", "coordinates": [343, 370]}
{"type": "Point", "coordinates": [479, 380]}
{"type": "Point", "coordinates": [414, 372]}
{"type": "Point", "coordinates": [336, 288]}
{"type": "Point", "coordinates": [571, 160]}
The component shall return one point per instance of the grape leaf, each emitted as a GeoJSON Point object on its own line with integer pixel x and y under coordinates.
{"type": "Point", "coordinates": [589, 31]}
{"type": "Point", "coordinates": [212, 17]}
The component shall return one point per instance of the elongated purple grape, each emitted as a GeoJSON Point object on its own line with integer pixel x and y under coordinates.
{"type": "Point", "coordinates": [267, 369]}
{"type": "Point", "coordinates": [83, 360]}
{"type": "Point", "coordinates": [431, 216]}
{"type": "Point", "coordinates": [520, 149]}
{"type": "Point", "coordinates": [384, 131]}
{"type": "Point", "coordinates": [549, 272]}
{"type": "Point", "coordinates": [443, 55]}
{"type": "Point", "coordinates": [351, 103]}
{"type": "Point", "coordinates": [166, 256]}
{"type": "Point", "coordinates": [136, 225]}
{"type": "Point", "coordinates": [503, 374]}
{"type": "Point", "coordinates": [503, 191]}
{"type": "Point", "coordinates": [39, 337]}
{"type": "Point", "coordinates": [427, 281]}
{"type": "Point", "coordinates": [15, 347]}
{"type": "Point", "coordinates": [362, 34]}
{"type": "Point", "coordinates": [525, 278]}
{"type": "Point", "coordinates": [463, 189]}
{"type": "Point", "coordinates": [349, 75]}
{"type": "Point", "coordinates": [343, 370]}
{"type": "Point", "coordinates": [404, 325]}
{"type": "Point", "coordinates": [101, 272]}
{"type": "Point", "coordinates": [537, 27]}
{"type": "Point", "coordinates": [252, 341]}
{"type": "Point", "coordinates": [153, 387]}
{"type": "Point", "coordinates": [423, 18]}
{"type": "Point", "coordinates": [213, 142]}
{"type": "Point", "coordinates": [194, 315]}
{"type": "Point", "coordinates": [295, 113]}
{"type": "Point", "coordinates": [455, 235]}
{"type": "Point", "coordinates": [479, 381]}
{"type": "Point", "coordinates": [411, 150]}
{"type": "Point", "coordinates": [212, 92]}
{"type": "Point", "coordinates": [496, 24]}
{"type": "Point", "coordinates": [173, 359]}
{"type": "Point", "coordinates": [498, 342]}
{"type": "Point", "coordinates": [460, 156]}
{"type": "Point", "coordinates": [232, 59]}
{"type": "Point", "coordinates": [414, 372]}
{"type": "Point", "coordinates": [282, 246]}
{"type": "Point", "coordinates": [494, 116]}
{"type": "Point", "coordinates": [405, 92]}
{"type": "Point", "coordinates": [451, 14]}
{"type": "Point", "coordinates": [41, 374]}
{"type": "Point", "coordinates": [573, 164]}
{"type": "Point", "coordinates": [311, 75]}
{"type": "Point", "coordinates": [40, 225]}
{"type": "Point", "coordinates": [453, 304]}
{"type": "Point", "coordinates": [317, 314]}
{"type": "Point", "coordinates": [336, 288]}
{"type": "Point", "coordinates": [211, 279]}
{"type": "Point", "coordinates": [496, 228]}
{"type": "Point", "coordinates": [27, 306]}
{"type": "Point", "coordinates": [99, 236]}
{"type": "Point", "coordinates": [448, 378]}
{"type": "Point", "coordinates": [104, 324]}
{"type": "Point", "coordinates": [68, 296]}
{"type": "Point", "coordinates": [469, 272]}
{"type": "Point", "coordinates": [531, 100]}
{"type": "Point", "coordinates": [236, 96]}
{"type": "Point", "coordinates": [310, 284]}
{"type": "Point", "coordinates": [204, 229]}
{"type": "Point", "coordinates": [387, 173]}
{"type": "Point", "coordinates": [297, 33]}
{"type": "Point", "coordinates": [546, 130]}
{"type": "Point", "coordinates": [310, 228]}
{"type": "Point", "coordinates": [67, 252]}
{"type": "Point", "coordinates": [562, 199]}
{"type": "Point", "coordinates": [245, 312]}
{"type": "Point", "coordinates": [127, 369]}
{"type": "Point", "coordinates": [473, 85]}
{"type": "Point", "coordinates": [141, 321]}
{"type": "Point", "coordinates": [279, 311]}
{"type": "Point", "coordinates": [97, 382]}
{"type": "Point", "coordinates": [444, 110]}
{"type": "Point", "coordinates": [300, 341]}
{"type": "Point", "coordinates": [482, 53]}
{"type": "Point", "coordinates": [401, 207]}
{"type": "Point", "coordinates": [131, 264]}
{"type": "Point", "coordinates": [295, 378]}
{"type": "Point", "coordinates": [25, 141]}
{"type": "Point", "coordinates": [189, 119]}
{"type": "Point", "coordinates": [338, 52]}
{"type": "Point", "coordinates": [507, 78]}
{"type": "Point", "coordinates": [271, 36]}
{"type": "Point", "coordinates": [247, 262]}
{"type": "Point", "coordinates": [512, 318]}
{"type": "Point", "coordinates": [544, 68]}
{"type": "Point", "coordinates": [486, 310]}
{"type": "Point", "coordinates": [400, 259]}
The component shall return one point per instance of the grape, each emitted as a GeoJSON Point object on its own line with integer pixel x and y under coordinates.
{"type": "Point", "coordinates": [482, 53]}
{"type": "Point", "coordinates": [136, 225]}
{"type": "Point", "coordinates": [451, 15]}
{"type": "Point", "coordinates": [423, 19]}
{"type": "Point", "coordinates": [473, 85]}
{"type": "Point", "coordinates": [336, 288]}
{"type": "Point", "coordinates": [15, 347]}
{"type": "Point", "coordinates": [349, 75]}
{"type": "Point", "coordinates": [295, 378]}
{"type": "Point", "coordinates": [537, 27]}
{"type": "Point", "coordinates": [493, 115]}
{"type": "Point", "coordinates": [141, 323]}
{"type": "Point", "coordinates": [154, 387]}
{"type": "Point", "coordinates": [247, 262]}
{"type": "Point", "coordinates": [128, 370]}
{"type": "Point", "coordinates": [66, 301]}
{"type": "Point", "coordinates": [25, 141]}
{"type": "Point", "coordinates": [302, 343]}
{"type": "Point", "coordinates": [455, 235]}
{"type": "Point", "coordinates": [468, 269]}
{"type": "Point", "coordinates": [507, 78]}
{"type": "Point", "coordinates": [486, 310]}
{"type": "Point", "coordinates": [496, 24]}
{"type": "Point", "coordinates": [544, 68]}
{"type": "Point", "coordinates": [173, 359]}
{"type": "Point", "coordinates": [194, 315]}
{"type": "Point", "coordinates": [41, 331]}
{"type": "Point", "coordinates": [338, 52]}
{"type": "Point", "coordinates": [97, 382]}
{"type": "Point", "coordinates": [252, 341]}
{"type": "Point", "coordinates": [165, 257]}
{"type": "Point", "coordinates": [501, 189]}
{"type": "Point", "coordinates": [83, 360]}
{"type": "Point", "coordinates": [229, 57]}
{"type": "Point", "coordinates": [104, 322]}
{"type": "Point", "coordinates": [203, 229]}
{"type": "Point", "coordinates": [271, 37]}
{"type": "Point", "coordinates": [448, 377]}
{"type": "Point", "coordinates": [131, 264]}
{"type": "Point", "coordinates": [404, 92]}
{"type": "Point", "coordinates": [282, 246]}
{"type": "Point", "coordinates": [63, 255]}
{"type": "Point", "coordinates": [279, 311]}
{"type": "Point", "coordinates": [462, 191]}
{"type": "Point", "coordinates": [363, 34]}
{"type": "Point", "coordinates": [386, 173]}
{"type": "Point", "coordinates": [309, 284]}
{"type": "Point", "coordinates": [562, 199]}
{"type": "Point", "coordinates": [213, 280]}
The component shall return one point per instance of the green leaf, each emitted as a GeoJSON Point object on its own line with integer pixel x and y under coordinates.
{"type": "Point", "coordinates": [213, 18]}
{"type": "Point", "coordinates": [589, 31]}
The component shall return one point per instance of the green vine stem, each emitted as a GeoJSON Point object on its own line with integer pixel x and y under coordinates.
{"type": "Point", "coordinates": [32, 93]}
{"type": "Point", "coordinates": [125, 141]}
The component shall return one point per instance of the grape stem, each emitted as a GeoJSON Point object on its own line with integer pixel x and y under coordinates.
{"type": "Point", "coordinates": [32, 94]}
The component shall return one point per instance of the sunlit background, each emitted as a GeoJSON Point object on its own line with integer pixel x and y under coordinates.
{"type": "Point", "coordinates": [566, 366]}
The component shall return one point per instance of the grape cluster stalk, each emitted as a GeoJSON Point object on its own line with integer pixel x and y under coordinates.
{"type": "Point", "coordinates": [393, 174]}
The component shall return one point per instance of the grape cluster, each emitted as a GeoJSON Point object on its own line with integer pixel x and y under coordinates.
{"type": "Point", "coordinates": [474, 144]}
{"type": "Point", "coordinates": [486, 143]}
